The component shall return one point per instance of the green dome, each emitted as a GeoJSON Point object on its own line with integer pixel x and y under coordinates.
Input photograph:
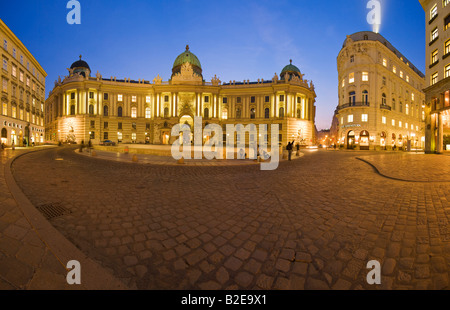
{"type": "Point", "coordinates": [187, 56]}
{"type": "Point", "coordinates": [290, 68]}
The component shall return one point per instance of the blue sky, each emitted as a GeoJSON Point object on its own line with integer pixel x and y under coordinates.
{"type": "Point", "coordinates": [236, 40]}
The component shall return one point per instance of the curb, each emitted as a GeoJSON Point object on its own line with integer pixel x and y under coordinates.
{"type": "Point", "coordinates": [93, 276]}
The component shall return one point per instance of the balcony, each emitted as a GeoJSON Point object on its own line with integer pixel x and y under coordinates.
{"type": "Point", "coordinates": [352, 105]}
{"type": "Point", "coordinates": [385, 107]}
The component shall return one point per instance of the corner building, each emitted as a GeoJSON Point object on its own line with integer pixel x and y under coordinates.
{"type": "Point", "coordinates": [437, 91]}
{"type": "Point", "coordinates": [22, 94]}
{"type": "Point", "coordinates": [83, 107]}
{"type": "Point", "coordinates": [381, 103]}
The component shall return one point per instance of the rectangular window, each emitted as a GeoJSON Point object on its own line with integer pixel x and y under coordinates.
{"type": "Point", "coordinates": [166, 98]}
{"type": "Point", "coordinates": [383, 119]}
{"type": "Point", "coordinates": [21, 114]}
{"type": "Point", "coordinates": [133, 136]}
{"type": "Point", "coordinates": [105, 125]}
{"type": "Point", "coordinates": [393, 122]}
{"type": "Point", "coordinates": [147, 99]}
{"type": "Point", "coordinates": [401, 74]}
{"type": "Point", "coordinates": [5, 85]}
{"type": "Point", "coordinates": [72, 96]}
{"type": "Point", "coordinates": [445, 2]}
{"type": "Point", "coordinates": [252, 99]}
{"type": "Point", "coordinates": [21, 76]}
{"type": "Point", "coordinates": [350, 118]}
{"type": "Point", "coordinates": [28, 66]}
{"type": "Point", "coordinates": [447, 71]}
{"type": "Point", "coordinates": [447, 22]}
{"type": "Point", "coordinates": [412, 96]}
{"type": "Point", "coordinates": [133, 112]}
{"type": "Point", "coordinates": [5, 64]}
{"type": "Point", "coordinates": [343, 83]}
{"type": "Point", "coordinates": [5, 109]}
{"type": "Point", "coordinates": [119, 125]}
{"type": "Point", "coordinates": [433, 12]}
{"type": "Point", "coordinates": [385, 62]}
{"type": "Point", "coordinates": [92, 124]}
{"type": "Point", "coordinates": [434, 78]}
{"type": "Point", "coordinates": [133, 125]}
{"type": "Point", "coordinates": [281, 98]}
{"type": "Point", "coordinates": [434, 34]}
{"type": "Point", "coordinates": [352, 59]}
{"type": "Point", "coordinates": [238, 100]}
{"type": "Point", "coordinates": [105, 96]}
{"type": "Point", "coordinates": [351, 78]}
{"type": "Point", "coordinates": [365, 76]}
{"type": "Point", "coordinates": [28, 81]}
{"type": "Point", "coordinates": [447, 47]}
{"type": "Point", "coordinates": [13, 112]}
{"type": "Point", "coordinates": [133, 98]}
{"type": "Point", "coordinates": [407, 78]}
{"type": "Point", "coordinates": [400, 124]}
{"type": "Point", "coordinates": [206, 99]}
{"type": "Point", "coordinates": [434, 57]}
{"type": "Point", "coordinates": [147, 126]}
{"type": "Point", "coordinates": [5, 44]}
{"type": "Point", "coordinates": [406, 125]}
{"type": "Point", "coordinates": [91, 95]}
{"type": "Point", "coordinates": [14, 71]}
{"type": "Point", "coordinates": [364, 118]}
{"type": "Point", "coordinates": [21, 59]}
{"type": "Point", "coordinates": [105, 136]}
{"type": "Point", "coordinates": [119, 97]}
{"type": "Point", "coordinates": [225, 100]}
{"type": "Point", "coordinates": [394, 69]}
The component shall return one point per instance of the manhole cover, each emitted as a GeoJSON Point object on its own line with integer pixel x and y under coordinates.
{"type": "Point", "coordinates": [52, 210]}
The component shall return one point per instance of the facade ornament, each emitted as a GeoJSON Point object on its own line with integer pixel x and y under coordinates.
{"type": "Point", "coordinates": [187, 75]}
{"type": "Point", "coordinates": [275, 78]}
{"type": "Point", "coordinates": [215, 81]}
{"type": "Point", "coordinates": [99, 76]}
{"type": "Point", "coordinates": [157, 80]}
{"type": "Point", "coordinates": [70, 71]}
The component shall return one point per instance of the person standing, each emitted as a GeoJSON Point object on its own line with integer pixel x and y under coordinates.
{"type": "Point", "coordinates": [290, 148]}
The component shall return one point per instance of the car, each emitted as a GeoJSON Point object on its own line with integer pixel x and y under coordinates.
{"type": "Point", "coordinates": [108, 143]}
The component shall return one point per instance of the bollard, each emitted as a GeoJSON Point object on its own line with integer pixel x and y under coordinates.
{"type": "Point", "coordinates": [134, 159]}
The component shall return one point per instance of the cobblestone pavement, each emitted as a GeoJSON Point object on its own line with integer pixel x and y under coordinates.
{"type": "Point", "coordinates": [313, 223]}
{"type": "Point", "coordinates": [25, 261]}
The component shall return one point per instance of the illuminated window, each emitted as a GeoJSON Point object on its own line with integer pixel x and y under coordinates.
{"type": "Point", "coordinates": [406, 125]}
{"type": "Point", "coordinates": [423, 115]}
{"type": "Point", "coordinates": [385, 62]}
{"type": "Point", "coordinates": [400, 124]}
{"type": "Point", "coordinates": [21, 114]}
{"type": "Point", "coordinates": [364, 118]}
{"type": "Point", "coordinates": [351, 78]}
{"type": "Point", "coordinates": [447, 46]}
{"type": "Point", "coordinates": [433, 12]}
{"type": "Point", "coordinates": [365, 76]}
{"type": "Point", "coordinates": [147, 113]}
{"type": "Point", "coordinates": [434, 78]}
{"type": "Point", "coordinates": [393, 122]}
{"type": "Point", "coordinates": [267, 113]}
{"type": "Point", "coordinates": [407, 78]}
{"type": "Point", "coordinates": [224, 113]}
{"type": "Point", "coordinates": [412, 96]}
{"type": "Point", "coordinates": [133, 112]}
{"type": "Point", "coordinates": [401, 74]}
{"type": "Point", "coordinates": [21, 76]}
{"type": "Point", "coordinates": [447, 22]}
{"type": "Point", "coordinates": [447, 71]}
{"type": "Point", "coordinates": [28, 81]}
{"type": "Point", "coordinates": [133, 136]}
{"type": "Point", "coordinates": [5, 109]}
{"type": "Point", "coordinates": [407, 109]}
{"type": "Point", "coordinates": [383, 120]}
{"type": "Point", "coordinates": [5, 64]}
{"type": "Point", "coordinates": [383, 99]}
{"type": "Point", "coordinates": [14, 71]}
{"type": "Point", "coordinates": [133, 98]}
{"type": "Point", "coordinates": [394, 69]}
{"type": "Point", "coordinates": [445, 2]}
{"type": "Point", "coordinates": [119, 97]}
{"type": "Point", "coordinates": [434, 34]}
{"type": "Point", "coordinates": [147, 99]}
{"type": "Point", "coordinates": [5, 85]}
{"type": "Point", "coordinates": [119, 136]}
{"type": "Point", "coordinates": [412, 127]}
{"type": "Point", "coordinates": [343, 83]}
{"type": "Point", "coordinates": [434, 57]}
{"type": "Point", "coordinates": [350, 118]}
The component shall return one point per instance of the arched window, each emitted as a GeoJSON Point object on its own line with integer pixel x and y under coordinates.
{"type": "Point", "coordinates": [72, 109]}
{"type": "Point", "coordinates": [266, 113]}
{"type": "Point", "coordinates": [148, 113]}
{"type": "Point", "coordinates": [91, 109]}
{"type": "Point", "coordinates": [4, 133]}
{"type": "Point", "coordinates": [407, 109]}
{"type": "Point", "coordinates": [238, 113]}
{"type": "Point", "coordinates": [365, 97]}
{"type": "Point", "coordinates": [105, 110]}
{"type": "Point", "coordinates": [166, 112]}
{"type": "Point", "coordinates": [383, 99]}
{"type": "Point", "coordinates": [252, 113]}
{"type": "Point", "coordinates": [224, 114]}
{"type": "Point", "coordinates": [281, 112]}
{"type": "Point", "coordinates": [206, 113]}
{"type": "Point", "coordinates": [119, 111]}
{"type": "Point", "coordinates": [133, 112]}
{"type": "Point", "coordinates": [352, 98]}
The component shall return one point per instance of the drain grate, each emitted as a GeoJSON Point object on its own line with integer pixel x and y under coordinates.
{"type": "Point", "coordinates": [52, 210]}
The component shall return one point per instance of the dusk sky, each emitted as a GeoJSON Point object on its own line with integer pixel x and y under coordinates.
{"type": "Point", "coordinates": [236, 40]}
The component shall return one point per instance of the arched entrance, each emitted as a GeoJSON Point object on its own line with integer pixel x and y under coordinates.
{"type": "Point", "coordinates": [13, 137]}
{"type": "Point", "coordinates": [350, 140]}
{"type": "Point", "coordinates": [364, 140]}
{"type": "Point", "coordinates": [383, 136]}
{"type": "Point", "coordinates": [187, 120]}
{"type": "Point", "coordinates": [394, 141]}
{"type": "Point", "coordinates": [4, 136]}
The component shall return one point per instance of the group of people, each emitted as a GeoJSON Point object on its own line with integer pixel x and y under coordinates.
{"type": "Point", "coordinates": [290, 148]}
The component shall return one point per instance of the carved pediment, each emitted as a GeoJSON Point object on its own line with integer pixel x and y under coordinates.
{"type": "Point", "coordinates": [187, 76]}
{"type": "Point", "coordinates": [157, 80]}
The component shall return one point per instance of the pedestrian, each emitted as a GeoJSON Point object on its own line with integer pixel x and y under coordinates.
{"type": "Point", "coordinates": [289, 148]}
{"type": "Point", "coordinates": [3, 146]}
{"type": "Point", "coordinates": [298, 149]}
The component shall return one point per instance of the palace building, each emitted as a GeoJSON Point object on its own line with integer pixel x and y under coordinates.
{"type": "Point", "coordinates": [381, 103]}
{"type": "Point", "coordinates": [23, 93]}
{"type": "Point", "coordinates": [82, 107]}
{"type": "Point", "coordinates": [437, 91]}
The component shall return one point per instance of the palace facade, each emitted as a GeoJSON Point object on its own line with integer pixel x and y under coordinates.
{"type": "Point", "coordinates": [381, 103]}
{"type": "Point", "coordinates": [437, 91]}
{"type": "Point", "coordinates": [82, 107]}
{"type": "Point", "coordinates": [23, 93]}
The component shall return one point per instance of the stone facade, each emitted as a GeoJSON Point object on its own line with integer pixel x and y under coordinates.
{"type": "Point", "coordinates": [81, 107]}
{"type": "Point", "coordinates": [22, 93]}
{"type": "Point", "coordinates": [381, 103]}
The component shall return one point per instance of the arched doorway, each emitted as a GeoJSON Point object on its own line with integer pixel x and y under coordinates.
{"type": "Point", "coordinates": [383, 140]}
{"type": "Point", "coordinates": [13, 137]}
{"type": "Point", "coordinates": [364, 143]}
{"type": "Point", "coordinates": [350, 140]}
{"type": "Point", "coordinates": [4, 136]}
{"type": "Point", "coordinates": [187, 120]}
{"type": "Point", "coordinates": [400, 141]}
{"type": "Point", "coordinates": [394, 141]}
